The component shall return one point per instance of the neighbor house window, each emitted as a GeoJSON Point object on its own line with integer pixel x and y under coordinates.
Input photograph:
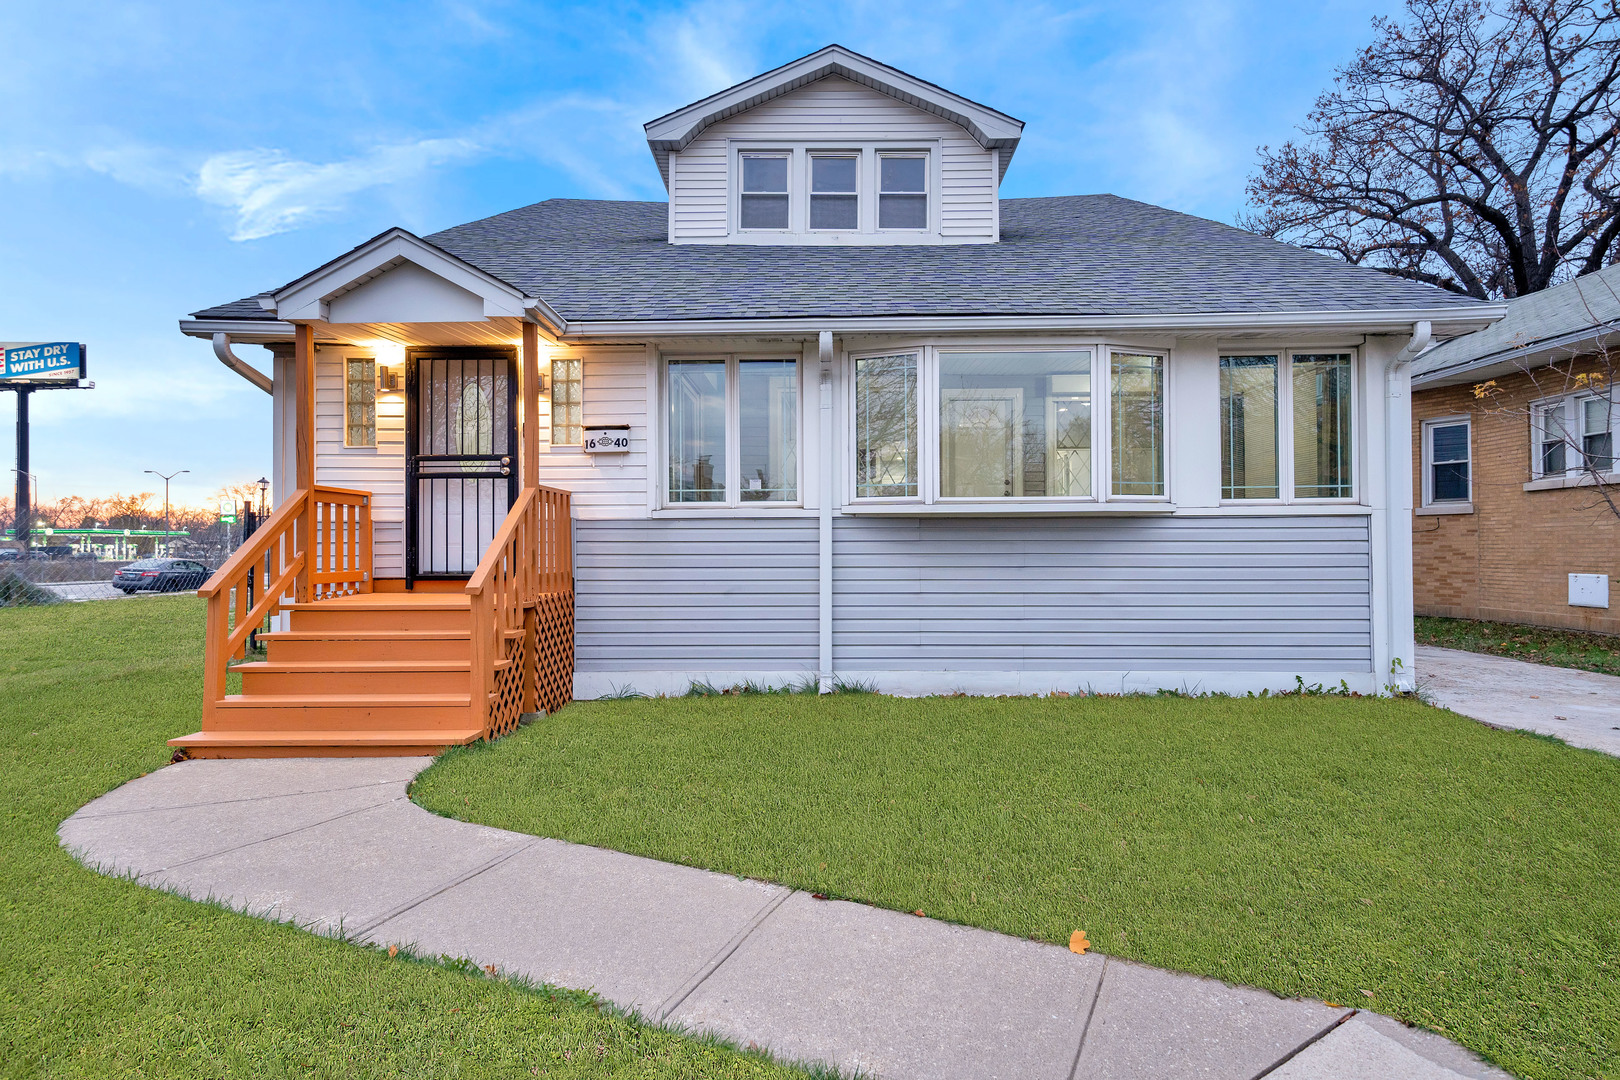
{"type": "Point", "coordinates": [1321, 387]}
{"type": "Point", "coordinates": [1136, 423]}
{"type": "Point", "coordinates": [1015, 425]}
{"type": "Point", "coordinates": [567, 396]}
{"type": "Point", "coordinates": [902, 191]}
{"type": "Point", "coordinates": [718, 404]}
{"type": "Point", "coordinates": [764, 191]}
{"type": "Point", "coordinates": [359, 402]}
{"type": "Point", "coordinates": [886, 426]}
{"type": "Point", "coordinates": [1249, 427]}
{"type": "Point", "coordinates": [1597, 433]}
{"type": "Point", "coordinates": [1573, 435]}
{"type": "Point", "coordinates": [834, 191]}
{"type": "Point", "coordinates": [1446, 461]}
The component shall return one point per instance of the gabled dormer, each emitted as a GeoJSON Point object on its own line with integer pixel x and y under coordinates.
{"type": "Point", "coordinates": [834, 148]}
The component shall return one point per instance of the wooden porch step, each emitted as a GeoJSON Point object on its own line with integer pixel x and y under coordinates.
{"type": "Point", "coordinates": [342, 712]}
{"type": "Point", "coordinates": [339, 645]}
{"type": "Point", "coordinates": [396, 742]}
{"type": "Point", "coordinates": [329, 675]}
{"type": "Point", "coordinates": [333, 615]}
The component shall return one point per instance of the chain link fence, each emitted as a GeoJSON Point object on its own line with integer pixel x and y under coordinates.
{"type": "Point", "coordinates": [75, 553]}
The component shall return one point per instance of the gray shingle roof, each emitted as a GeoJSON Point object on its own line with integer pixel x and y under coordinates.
{"type": "Point", "coordinates": [1072, 255]}
{"type": "Point", "coordinates": [1543, 317]}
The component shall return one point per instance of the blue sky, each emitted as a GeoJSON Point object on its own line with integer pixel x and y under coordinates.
{"type": "Point", "coordinates": [157, 158]}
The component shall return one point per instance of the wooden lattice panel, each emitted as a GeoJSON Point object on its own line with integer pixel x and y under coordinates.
{"type": "Point", "coordinates": [506, 703]}
{"type": "Point", "coordinates": [554, 651]}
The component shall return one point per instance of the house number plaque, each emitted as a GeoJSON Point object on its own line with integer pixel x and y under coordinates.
{"type": "Point", "coordinates": [607, 439]}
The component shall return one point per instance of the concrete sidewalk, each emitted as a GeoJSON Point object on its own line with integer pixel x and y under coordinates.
{"type": "Point", "coordinates": [336, 846]}
{"type": "Point", "coordinates": [1580, 707]}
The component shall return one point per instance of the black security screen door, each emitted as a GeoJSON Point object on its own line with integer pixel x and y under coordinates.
{"type": "Point", "coordinates": [460, 447]}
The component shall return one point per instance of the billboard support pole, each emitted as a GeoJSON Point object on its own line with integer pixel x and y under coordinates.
{"type": "Point", "coordinates": [25, 512]}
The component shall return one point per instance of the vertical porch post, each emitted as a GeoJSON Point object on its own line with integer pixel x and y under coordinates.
{"type": "Point", "coordinates": [534, 531]}
{"type": "Point", "coordinates": [304, 447]}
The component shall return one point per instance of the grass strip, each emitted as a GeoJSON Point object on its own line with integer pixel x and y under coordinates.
{"type": "Point", "coordinates": [1537, 644]}
{"type": "Point", "coordinates": [1371, 852]}
{"type": "Point", "coordinates": [103, 978]}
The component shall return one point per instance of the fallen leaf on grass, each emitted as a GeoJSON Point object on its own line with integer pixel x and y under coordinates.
{"type": "Point", "coordinates": [393, 951]}
{"type": "Point", "coordinates": [919, 913]}
{"type": "Point", "coordinates": [489, 969]}
{"type": "Point", "coordinates": [1078, 942]}
{"type": "Point", "coordinates": [1367, 993]}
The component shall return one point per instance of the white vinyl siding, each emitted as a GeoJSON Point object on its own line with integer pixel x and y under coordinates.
{"type": "Point", "coordinates": [613, 391]}
{"type": "Point", "coordinates": [832, 111]}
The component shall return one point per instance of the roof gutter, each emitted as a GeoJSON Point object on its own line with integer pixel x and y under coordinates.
{"type": "Point", "coordinates": [222, 349]}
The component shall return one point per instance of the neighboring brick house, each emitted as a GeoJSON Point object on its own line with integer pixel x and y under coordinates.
{"type": "Point", "coordinates": [1513, 430]}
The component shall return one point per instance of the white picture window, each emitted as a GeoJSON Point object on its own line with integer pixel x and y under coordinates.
{"type": "Point", "coordinates": [764, 197]}
{"type": "Point", "coordinates": [835, 201]}
{"type": "Point", "coordinates": [902, 191]}
{"type": "Point", "coordinates": [733, 430]}
{"type": "Point", "coordinates": [1298, 400]}
{"type": "Point", "coordinates": [1009, 423]}
{"type": "Point", "coordinates": [1446, 466]}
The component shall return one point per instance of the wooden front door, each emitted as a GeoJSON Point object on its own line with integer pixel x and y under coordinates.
{"type": "Point", "coordinates": [461, 469]}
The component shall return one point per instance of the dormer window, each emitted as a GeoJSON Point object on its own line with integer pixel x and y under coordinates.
{"type": "Point", "coordinates": [902, 191]}
{"type": "Point", "coordinates": [764, 191]}
{"type": "Point", "coordinates": [835, 201]}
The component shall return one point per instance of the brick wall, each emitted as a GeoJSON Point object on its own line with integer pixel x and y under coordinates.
{"type": "Point", "coordinates": [1510, 559]}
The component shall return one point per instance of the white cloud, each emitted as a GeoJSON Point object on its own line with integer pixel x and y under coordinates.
{"type": "Point", "coordinates": [271, 192]}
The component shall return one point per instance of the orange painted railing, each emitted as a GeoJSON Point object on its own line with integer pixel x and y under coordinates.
{"type": "Point", "coordinates": [317, 544]}
{"type": "Point", "coordinates": [523, 614]}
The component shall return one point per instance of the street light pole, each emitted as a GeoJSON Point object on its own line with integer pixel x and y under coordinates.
{"type": "Point", "coordinates": [166, 480]}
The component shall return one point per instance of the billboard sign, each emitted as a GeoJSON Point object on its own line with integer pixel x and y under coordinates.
{"type": "Point", "coordinates": [51, 362]}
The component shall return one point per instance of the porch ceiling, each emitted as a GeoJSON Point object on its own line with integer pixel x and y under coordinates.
{"type": "Point", "coordinates": [501, 330]}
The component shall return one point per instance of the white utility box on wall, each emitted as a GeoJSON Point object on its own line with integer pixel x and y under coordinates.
{"type": "Point", "coordinates": [1589, 590]}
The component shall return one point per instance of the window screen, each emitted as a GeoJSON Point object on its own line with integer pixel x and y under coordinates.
{"type": "Point", "coordinates": [834, 202]}
{"type": "Point", "coordinates": [902, 192]}
{"type": "Point", "coordinates": [1448, 462]}
{"type": "Point", "coordinates": [764, 191]}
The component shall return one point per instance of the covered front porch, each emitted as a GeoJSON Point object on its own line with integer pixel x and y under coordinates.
{"type": "Point", "coordinates": [463, 623]}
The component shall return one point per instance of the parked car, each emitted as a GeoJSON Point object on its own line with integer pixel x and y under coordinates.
{"type": "Point", "coordinates": [161, 575]}
{"type": "Point", "coordinates": [9, 555]}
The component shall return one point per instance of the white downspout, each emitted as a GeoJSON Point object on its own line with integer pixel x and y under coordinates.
{"type": "Point", "coordinates": [222, 349]}
{"type": "Point", "coordinates": [825, 539]}
{"type": "Point", "coordinates": [1398, 507]}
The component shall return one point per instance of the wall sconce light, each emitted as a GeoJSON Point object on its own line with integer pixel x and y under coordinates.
{"type": "Point", "coordinates": [388, 379]}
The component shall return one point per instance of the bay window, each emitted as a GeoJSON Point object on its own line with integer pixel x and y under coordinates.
{"type": "Point", "coordinates": [1014, 425]}
{"type": "Point", "coordinates": [1295, 399]}
{"type": "Point", "coordinates": [733, 427]}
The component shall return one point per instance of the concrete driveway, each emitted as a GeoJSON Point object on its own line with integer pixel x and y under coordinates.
{"type": "Point", "coordinates": [1580, 707]}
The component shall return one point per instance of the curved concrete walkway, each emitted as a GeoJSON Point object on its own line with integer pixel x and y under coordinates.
{"type": "Point", "coordinates": [1580, 707]}
{"type": "Point", "coordinates": [336, 846]}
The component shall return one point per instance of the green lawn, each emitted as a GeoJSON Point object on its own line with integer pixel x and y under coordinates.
{"type": "Point", "coordinates": [102, 978]}
{"type": "Point", "coordinates": [1561, 648]}
{"type": "Point", "coordinates": [1376, 853]}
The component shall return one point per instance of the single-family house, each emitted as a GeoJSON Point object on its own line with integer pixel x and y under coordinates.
{"type": "Point", "coordinates": [1518, 515]}
{"type": "Point", "coordinates": [834, 411]}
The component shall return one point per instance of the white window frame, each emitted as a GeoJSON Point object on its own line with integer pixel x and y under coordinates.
{"type": "Point", "coordinates": [930, 201]}
{"type": "Point", "coordinates": [810, 193]}
{"type": "Point", "coordinates": [1285, 422]}
{"type": "Point", "coordinates": [1427, 450]}
{"type": "Point", "coordinates": [733, 501]}
{"type": "Point", "coordinates": [867, 180]}
{"type": "Point", "coordinates": [793, 198]}
{"type": "Point", "coordinates": [1572, 407]}
{"type": "Point", "coordinates": [928, 426]}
